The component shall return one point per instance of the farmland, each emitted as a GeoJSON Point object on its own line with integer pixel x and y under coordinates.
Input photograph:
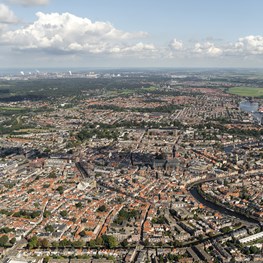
{"type": "Point", "coordinates": [246, 91]}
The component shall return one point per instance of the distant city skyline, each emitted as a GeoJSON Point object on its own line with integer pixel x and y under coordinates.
{"type": "Point", "coordinates": [103, 33]}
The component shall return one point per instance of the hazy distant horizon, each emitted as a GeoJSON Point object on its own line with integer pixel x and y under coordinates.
{"type": "Point", "coordinates": [40, 70]}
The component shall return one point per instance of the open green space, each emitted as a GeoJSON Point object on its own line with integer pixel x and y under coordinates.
{"type": "Point", "coordinates": [12, 109]}
{"type": "Point", "coordinates": [33, 130]}
{"type": "Point", "coordinates": [151, 88]}
{"type": "Point", "coordinates": [246, 91]}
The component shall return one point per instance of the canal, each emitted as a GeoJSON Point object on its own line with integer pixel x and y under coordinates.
{"type": "Point", "coordinates": [229, 148]}
{"type": "Point", "coordinates": [220, 209]}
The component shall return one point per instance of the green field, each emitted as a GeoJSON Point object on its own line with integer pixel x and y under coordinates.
{"type": "Point", "coordinates": [246, 91]}
{"type": "Point", "coordinates": [151, 88]}
{"type": "Point", "coordinates": [12, 109]}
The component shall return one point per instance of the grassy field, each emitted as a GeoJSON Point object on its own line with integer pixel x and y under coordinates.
{"type": "Point", "coordinates": [246, 91]}
{"type": "Point", "coordinates": [33, 130]}
{"type": "Point", "coordinates": [12, 109]}
{"type": "Point", "coordinates": [151, 88]}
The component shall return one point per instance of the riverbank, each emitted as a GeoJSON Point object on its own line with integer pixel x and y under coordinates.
{"type": "Point", "coordinates": [209, 202]}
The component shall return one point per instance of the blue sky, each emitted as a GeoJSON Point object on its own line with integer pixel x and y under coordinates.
{"type": "Point", "coordinates": [138, 33]}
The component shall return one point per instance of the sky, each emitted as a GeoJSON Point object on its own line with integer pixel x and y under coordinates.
{"type": "Point", "coordinates": [131, 33]}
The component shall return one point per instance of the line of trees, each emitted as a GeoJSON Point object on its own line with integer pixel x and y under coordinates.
{"type": "Point", "coordinates": [27, 214]}
{"type": "Point", "coordinates": [106, 241]}
{"type": "Point", "coordinates": [5, 242]}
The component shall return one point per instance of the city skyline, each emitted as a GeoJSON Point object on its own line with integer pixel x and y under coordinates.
{"type": "Point", "coordinates": [42, 33]}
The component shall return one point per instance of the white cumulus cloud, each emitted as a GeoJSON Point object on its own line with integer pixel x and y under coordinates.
{"type": "Point", "coordinates": [250, 45]}
{"type": "Point", "coordinates": [68, 33]}
{"type": "Point", "coordinates": [7, 16]}
{"type": "Point", "coordinates": [207, 49]}
{"type": "Point", "coordinates": [30, 2]}
{"type": "Point", "coordinates": [176, 44]}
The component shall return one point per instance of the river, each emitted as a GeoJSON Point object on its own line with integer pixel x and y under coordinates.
{"type": "Point", "coordinates": [229, 148]}
{"type": "Point", "coordinates": [220, 209]}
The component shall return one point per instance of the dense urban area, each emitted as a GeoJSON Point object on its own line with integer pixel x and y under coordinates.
{"type": "Point", "coordinates": [131, 166]}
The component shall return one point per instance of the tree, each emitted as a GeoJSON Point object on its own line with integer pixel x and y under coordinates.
{"type": "Point", "coordinates": [196, 217]}
{"type": "Point", "coordinates": [60, 189]}
{"type": "Point", "coordinates": [177, 243]}
{"type": "Point", "coordinates": [44, 243]}
{"type": "Point", "coordinates": [125, 215]}
{"type": "Point", "coordinates": [110, 241]}
{"type": "Point", "coordinates": [12, 241]}
{"type": "Point", "coordinates": [37, 178]}
{"type": "Point", "coordinates": [49, 228]}
{"type": "Point", "coordinates": [36, 204]}
{"type": "Point", "coordinates": [52, 175]}
{"type": "Point", "coordinates": [46, 214]}
{"type": "Point", "coordinates": [31, 190]}
{"type": "Point", "coordinates": [64, 243]}
{"type": "Point", "coordinates": [78, 244]}
{"type": "Point", "coordinates": [3, 240]}
{"type": "Point", "coordinates": [35, 214]}
{"type": "Point", "coordinates": [5, 212]}
{"type": "Point", "coordinates": [82, 233]}
{"type": "Point", "coordinates": [124, 243]}
{"type": "Point", "coordinates": [64, 213]}
{"type": "Point", "coordinates": [55, 244]}
{"type": "Point", "coordinates": [92, 243]}
{"type": "Point", "coordinates": [200, 237]}
{"type": "Point", "coordinates": [73, 219]}
{"type": "Point", "coordinates": [33, 242]}
{"type": "Point", "coordinates": [46, 150]}
{"type": "Point", "coordinates": [5, 230]}
{"type": "Point", "coordinates": [102, 208]}
{"type": "Point", "coordinates": [159, 244]}
{"type": "Point", "coordinates": [146, 242]}
{"type": "Point", "coordinates": [78, 205]}
{"type": "Point", "coordinates": [172, 258]}
{"type": "Point", "coordinates": [160, 220]}
{"type": "Point", "coordinates": [225, 229]}
{"type": "Point", "coordinates": [254, 250]}
{"type": "Point", "coordinates": [98, 242]}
